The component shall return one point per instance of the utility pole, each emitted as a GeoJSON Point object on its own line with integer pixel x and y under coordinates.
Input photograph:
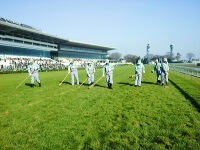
{"type": "Point", "coordinates": [148, 54]}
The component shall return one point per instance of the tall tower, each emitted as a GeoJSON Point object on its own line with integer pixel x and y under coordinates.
{"type": "Point", "coordinates": [148, 54]}
{"type": "Point", "coordinates": [171, 51]}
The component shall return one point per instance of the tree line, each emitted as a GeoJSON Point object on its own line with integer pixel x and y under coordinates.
{"type": "Point", "coordinates": [133, 58]}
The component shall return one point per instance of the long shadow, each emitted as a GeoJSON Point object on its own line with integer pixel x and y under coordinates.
{"type": "Point", "coordinates": [145, 82]}
{"type": "Point", "coordinates": [29, 84]}
{"type": "Point", "coordinates": [125, 83]}
{"type": "Point", "coordinates": [67, 83]}
{"type": "Point", "coordinates": [100, 86]}
{"type": "Point", "coordinates": [187, 96]}
{"type": "Point", "coordinates": [84, 84]}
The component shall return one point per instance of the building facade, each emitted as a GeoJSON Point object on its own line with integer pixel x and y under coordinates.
{"type": "Point", "coordinates": [23, 40]}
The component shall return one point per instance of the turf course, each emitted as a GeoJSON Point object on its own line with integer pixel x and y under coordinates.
{"type": "Point", "coordinates": [127, 117]}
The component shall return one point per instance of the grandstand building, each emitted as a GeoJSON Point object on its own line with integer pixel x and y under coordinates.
{"type": "Point", "coordinates": [18, 39]}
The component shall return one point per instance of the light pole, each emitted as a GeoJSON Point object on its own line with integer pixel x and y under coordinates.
{"type": "Point", "coordinates": [148, 54]}
{"type": "Point", "coordinates": [171, 52]}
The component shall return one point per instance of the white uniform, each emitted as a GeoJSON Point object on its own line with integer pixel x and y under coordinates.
{"type": "Point", "coordinates": [73, 69]}
{"type": "Point", "coordinates": [139, 69]}
{"type": "Point", "coordinates": [90, 69]}
{"type": "Point", "coordinates": [164, 72]}
{"type": "Point", "coordinates": [33, 72]}
{"type": "Point", "coordinates": [108, 71]}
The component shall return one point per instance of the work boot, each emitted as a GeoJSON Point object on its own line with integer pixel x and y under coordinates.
{"type": "Point", "coordinates": [110, 85]}
{"type": "Point", "coordinates": [40, 85]}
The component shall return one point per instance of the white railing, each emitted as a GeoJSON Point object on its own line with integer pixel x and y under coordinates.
{"type": "Point", "coordinates": [187, 71]}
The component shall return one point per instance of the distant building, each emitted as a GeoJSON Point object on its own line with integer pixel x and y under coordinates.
{"type": "Point", "coordinates": [18, 39]}
{"type": "Point", "coordinates": [195, 61]}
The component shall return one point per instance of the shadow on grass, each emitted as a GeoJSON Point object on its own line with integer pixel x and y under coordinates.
{"type": "Point", "coordinates": [100, 86]}
{"type": "Point", "coordinates": [187, 96]}
{"type": "Point", "coordinates": [125, 83]}
{"type": "Point", "coordinates": [29, 84]}
{"type": "Point", "coordinates": [145, 82]}
{"type": "Point", "coordinates": [66, 83]}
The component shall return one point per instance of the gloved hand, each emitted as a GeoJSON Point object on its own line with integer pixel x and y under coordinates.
{"type": "Point", "coordinates": [103, 75]}
{"type": "Point", "coordinates": [30, 74]}
{"type": "Point", "coordinates": [143, 71]}
{"type": "Point", "coordinates": [89, 75]}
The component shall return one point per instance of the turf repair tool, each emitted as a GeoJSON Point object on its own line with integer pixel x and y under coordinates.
{"type": "Point", "coordinates": [91, 86]}
{"type": "Point", "coordinates": [22, 82]}
{"type": "Point", "coordinates": [83, 82]}
{"type": "Point", "coordinates": [64, 79]}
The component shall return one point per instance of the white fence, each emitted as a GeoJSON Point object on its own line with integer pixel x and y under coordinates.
{"type": "Point", "coordinates": [187, 71]}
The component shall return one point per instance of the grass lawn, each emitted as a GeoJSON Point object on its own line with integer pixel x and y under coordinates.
{"type": "Point", "coordinates": [127, 117]}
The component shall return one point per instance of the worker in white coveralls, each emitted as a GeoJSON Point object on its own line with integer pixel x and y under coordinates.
{"type": "Point", "coordinates": [90, 70]}
{"type": "Point", "coordinates": [139, 70]}
{"type": "Point", "coordinates": [164, 71]}
{"type": "Point", "coordinates": [33, 69]}
{"type": "Point", "coordinates": [157, 69]}
{"type": "Point", "coordinates": [73, 69]}
{"type": "Point", "coordinates": [108, 72]}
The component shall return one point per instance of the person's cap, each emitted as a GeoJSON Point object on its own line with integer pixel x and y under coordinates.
{"type": "Point", "coordinates": [139, 62]}
{"type": "Point", "coordinates": [107, 61]}
{"type": "Point", "coordinates": [165, 59]}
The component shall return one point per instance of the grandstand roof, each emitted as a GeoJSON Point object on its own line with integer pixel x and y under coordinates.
{"type": "Point", "coordinates": [22, 30]}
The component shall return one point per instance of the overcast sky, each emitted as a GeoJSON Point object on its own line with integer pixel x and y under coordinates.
{"type": "Point", "coordinates": [127, 25]}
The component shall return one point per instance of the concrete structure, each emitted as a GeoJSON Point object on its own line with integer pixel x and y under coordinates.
{"type": "Point", "coordinates": [23, 40]}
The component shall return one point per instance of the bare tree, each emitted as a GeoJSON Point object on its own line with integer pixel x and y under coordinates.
{"type": "Point", "coordinates": [131, 58]}
{"type": "Point", "coordinates": [190, 56]}
{"type": "Point", "coordinates": [178, 56]}
{"type": "Point", "coordinates": [115, 56]}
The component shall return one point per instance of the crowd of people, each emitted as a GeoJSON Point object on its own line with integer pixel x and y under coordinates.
{"type": "Point", "coordinates": [21, 63]}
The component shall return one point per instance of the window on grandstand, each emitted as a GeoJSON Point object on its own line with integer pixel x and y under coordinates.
{"type": "Point", "coordinates": [66, 47]}
{"type": "Point", "coordinates": [43, 45]}
{"type": "Point", "coordinates": [36, 44]}
{"type": "Point", "coordinates": [18, 41]}
{"type": "Point", "coordinates": [80, 55]}
{"type": "Point", "coordinates": [25, 42]}
{"type": "Point", "coordinates": [5, 39]}
{"type": "Point", "coordinates": [7, 50]}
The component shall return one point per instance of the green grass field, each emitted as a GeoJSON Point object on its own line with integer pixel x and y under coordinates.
{"type": "Point", "coordinates": [127, 117]}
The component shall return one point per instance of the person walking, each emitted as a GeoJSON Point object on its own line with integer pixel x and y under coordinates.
{"type": "Point", "coordinates": [33, 69]}
{"type": "Point", "coordinates": [139, 70]}
{"type": "Point", "coordinates": [157, 69]}
{"type": "Point", "coordinates": [90, 70]}
{"type": "Point", "coordinates": [73, 69]}
{"type": "Point", "coordinates": [108, 72]}
{"type": "Point", "coordinates": [164, 72]}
